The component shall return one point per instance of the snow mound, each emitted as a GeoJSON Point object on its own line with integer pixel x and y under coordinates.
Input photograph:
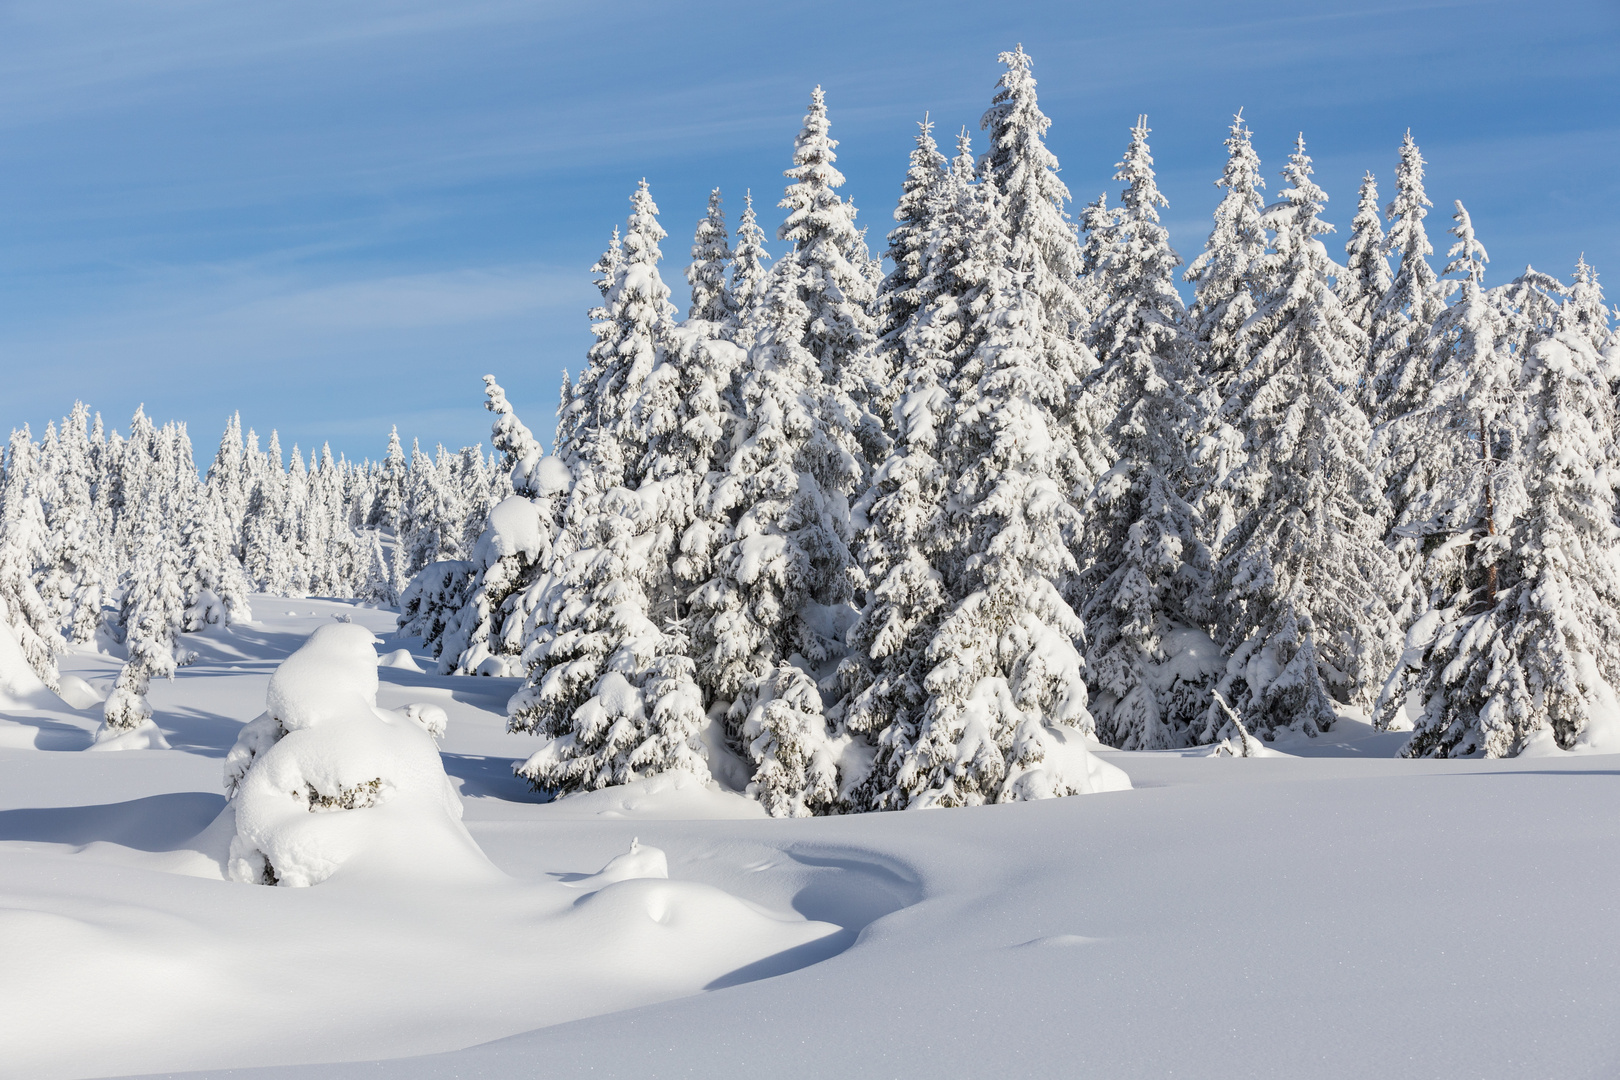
{"type": "Point", "coordinates": [638, 862]}
{"type": "Point", "coordinates": [401, 659]}
{"type": "Point", "coordinates": [1069, 756]}
{"type": "Point", "coordinates": [668, 796]}
{"type": "Point", "coordinates": [78, 693]}
{"type": "Point", "coordinates": [144, 737]}
{"type": "Point", "coordinates": [325, 781]}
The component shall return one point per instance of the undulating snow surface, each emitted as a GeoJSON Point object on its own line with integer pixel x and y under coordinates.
{"type": "Point", "coordinates": [1326, 912]}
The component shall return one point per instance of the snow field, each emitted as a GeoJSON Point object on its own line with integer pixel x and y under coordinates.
{"type": "Point", "coordinates": [1286, 916]}
{"type": "Point", "coordinates": [411, 938]}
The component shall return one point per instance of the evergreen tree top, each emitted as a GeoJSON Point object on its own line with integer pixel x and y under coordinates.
{"type": "Point", "coordinates": [1297, 216]}
{"type": "Point", "coordinates": [1237, 235]}
{"type": "Point", "coordinates": [643, 231]}
{"type": "Point", "coordinates": [750, 253]}
{"type": "Point", "coordinates": [1467, 255]}
{"type": "Point", "coordinates": [1414, 290]}
{"type": "Point", "coordinates": [1024, 169]}
{"type": "Point", "coordinates": [1410, 205]}
{"type": "Point", "coordinates": [1364, 251]}
{"type": "Point", "coordinates": [813, 206]}
{"type": "Point", "coordinates": [706, 274]}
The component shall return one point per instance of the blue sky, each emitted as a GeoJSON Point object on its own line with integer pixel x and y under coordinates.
{"type": "Point", "coordinates": [335, 215]}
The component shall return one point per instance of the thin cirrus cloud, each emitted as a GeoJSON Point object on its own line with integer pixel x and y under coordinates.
{"type": "Point", "coordinates": [344, 211]}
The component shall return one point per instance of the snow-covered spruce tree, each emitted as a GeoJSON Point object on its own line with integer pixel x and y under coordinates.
{"type": "Point", "coordinates": [1004, 662]}
{"type": "Point", "coordinates": [268, 552]}
{"type": "Point", "coordinates": [575, 407]}
{"type": "Point", "coordinates": [1303, 578]}
{"type": "Point", "coordinates": [1586, 312]}
{"type": "Point", "coordinates": [22, 548]}
{"type": "Point", "coordinates": [1529, 306]}
{"type": "Point", "coordinates": [1097, 220]}
{"type": "Point", "coordinates": [1146, 574]}
{"type": "Point", "coordinates": [77, 551]}
{"type": "Point", "coordinates": [1364, 284]}
{"type": "Point", "coordinates": [782, 568]}
{"type": "Point", "coordinates": [635, 316]}
{"type": "Point", "coordinates": [610, 689]}
{"type": "Point", "coordinates": [748, 273]}
{"type": "Point", "coordinates": [391, 477]}
{"type": "Point", "coordinates": [47, 455]}
{"type": "Point", "coordinates": [1470, 434]}
{"type": "Point", "coordinates": [128, 470]}
{"type": "Point", "coordinates": [1227, 276]}
{"type": "Point", "coordinates": [1042, 242]}
{"type": "Point", "coordinates": [485, 636]}
{"type": "Point", "coordinates": [212, 581]}
{"type": "Point", "coordinates": [1536, 651]}
{"type": "Point", "coordinates": [833, 273]}
{"type": "Point", "coordinates": [1227, 273]}
{"type": "Point", "coordinates": [153, 610]}
{"type": "Point", "coordinates": [711, 256]}
{"type": "Point", "coordinates": [684, 410]}
{"type": "Point", "coordinates": [376, 580]}
{"type": "Point", "coordinates": [1403, 355]}
{"type": "Point", "coordinates": [1403, 359]}
{"type": "Point", "coordinates": [898, 520]}
{"type": "Point", "coordinates": [227, 476]}
{"type": "Point", "coordinates": [610, 682]}
{"type": "Point", "coordinates": [322, 527]}
{"type": "Point", "coordinates": [290, 527]}
{"type": "Point", "coordinates": [1441, 439]}
{"type": "Point", "coordinates": [899, 299]}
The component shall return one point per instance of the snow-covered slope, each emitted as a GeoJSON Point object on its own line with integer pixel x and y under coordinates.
{"type": "Point", "coordinates": [1333, 913]}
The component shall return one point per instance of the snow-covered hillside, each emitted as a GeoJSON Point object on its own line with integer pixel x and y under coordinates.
{"type": "Point", "coordinates": [1339, 913]}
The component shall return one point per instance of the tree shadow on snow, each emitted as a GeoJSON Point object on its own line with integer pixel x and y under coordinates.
{"type": "Point", "coordinates": [490, 778]}
{"type": "Point", "coordinates": [50, 734]}
{"type": "Point", "coordinates": [155, 823]}
{"type": "Point", "coordinates": [198, 731]}
{"type": "Point", "coordinates": [485, 692]}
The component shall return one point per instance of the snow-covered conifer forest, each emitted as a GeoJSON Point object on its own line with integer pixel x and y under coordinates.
{"type": "Point", "coordinates": [1016, 503]}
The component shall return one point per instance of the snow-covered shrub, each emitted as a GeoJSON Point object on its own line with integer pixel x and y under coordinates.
{"type": "Point", "coordinates": [324, 779]}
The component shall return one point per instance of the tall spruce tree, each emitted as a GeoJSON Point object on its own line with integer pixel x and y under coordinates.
{"type": "Point", "coordinates": [1302, 580]}
{"type": "Point", "coordinates": [1146, 564]}
{"type": "Point", "coordinates": [630, 326]}
{"type": "Point", "coordinates": [900, 518]}
{"type": "Point", "coordinates": [1003, 662]}
{"type": "Point", "coordinates": [833, 272]}
{"type": "Point", "coordinates": [76, 574]}
{"type": "Point", "coordinates": [154, 607]}
{"type": "Point", "coordinates": [1469, 435]}
{"type": "Point", "coordinates": [22, 549]}
{"type": "Point", "coordinates": [1227, 272]}
{"type": "Point", "coordinates": [782, 563]}
{"type": "Point", "coordinates": [900, 299]}
{"type": "Point", "coordinates": [1042, 242]}
{"type": "Point", "coordinates": [1402, 355]}
{"type": "Point", "coordinates": [610, 679]}
{"type": "Point", "coordinates": [1530, 650]}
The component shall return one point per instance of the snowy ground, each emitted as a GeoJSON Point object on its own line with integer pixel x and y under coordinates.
{"type": "Point", "coordinates": [1332, 914]}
